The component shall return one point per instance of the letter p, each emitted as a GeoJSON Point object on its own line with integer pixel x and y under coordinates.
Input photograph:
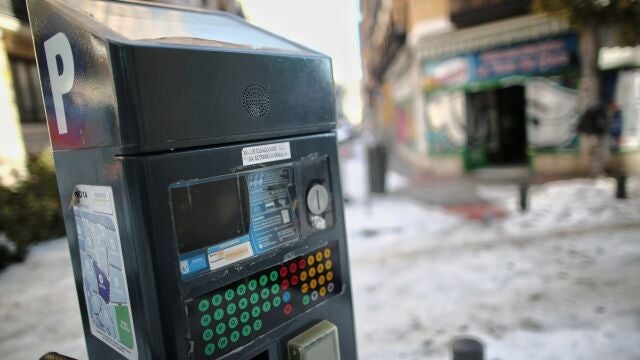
{"type": "Point", "coordinates": [61, 79]}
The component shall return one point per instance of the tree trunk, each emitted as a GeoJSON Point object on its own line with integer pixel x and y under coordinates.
{"type": "Point", "coordinates": [589, 46]}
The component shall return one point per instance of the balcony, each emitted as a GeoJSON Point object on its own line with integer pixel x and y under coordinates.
{"type": "Point", "coordinates": [474, 12]}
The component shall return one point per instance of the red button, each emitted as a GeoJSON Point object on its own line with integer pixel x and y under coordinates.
{"type": "Point", "coordinates": [294, 280]}
{"type": "Point", "coordinates": [283, 271]}
{"type": "Point", "coordinates": [302, 264]}
{"type": "Point", "coordinates": [284, 284]}
{"type": "Point", "coordinates": [293, 267]}
{"type": "Point", "coordinates": [287, 309]}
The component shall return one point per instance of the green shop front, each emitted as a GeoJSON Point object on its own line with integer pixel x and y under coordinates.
{"type": "Point", "coordinates": [513, 105]}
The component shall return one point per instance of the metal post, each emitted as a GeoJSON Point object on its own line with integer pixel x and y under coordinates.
{"type": "Point", "coordinates": [523, 188]}
{"type": "Point", "coordinates": [377, 161]}
{"type": "Point", "coordinates": [467, 349]}
{"type": "Point", "coordinates": [621, 186]}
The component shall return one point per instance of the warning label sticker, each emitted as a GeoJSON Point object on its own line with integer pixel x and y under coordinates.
{"type": "Point", "coordinates": [103, 274]}
{"type": "Point", "coordinates": [266, 153]}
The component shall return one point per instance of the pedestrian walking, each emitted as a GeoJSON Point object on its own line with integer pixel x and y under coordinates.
{"type": "Point", "coordinates": [593, 126]}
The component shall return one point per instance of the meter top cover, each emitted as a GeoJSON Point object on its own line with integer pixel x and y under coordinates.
{"type": "Point", "coordinates": [144, 78]}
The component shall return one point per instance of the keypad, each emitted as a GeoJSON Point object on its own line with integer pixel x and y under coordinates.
{"type": "Point", "coordinates": [234, 315]}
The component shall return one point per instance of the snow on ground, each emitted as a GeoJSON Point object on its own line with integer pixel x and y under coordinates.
{"type": "Point", "coordinates": [558, 282]}
{"type": "Point", "coordinates": [39, 307]}
{"type": "Point", "coordinates": [561, 281]}
{"type": "Point", "coordinates": [563, 297]}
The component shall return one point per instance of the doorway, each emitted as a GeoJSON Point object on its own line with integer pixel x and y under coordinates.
{"type": "Point", "coordinates": [496, 128]}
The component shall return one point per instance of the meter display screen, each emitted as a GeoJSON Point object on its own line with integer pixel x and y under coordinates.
{"type": "Point", "coordinates": [221, 221]}
{"type": "Point", "coordinates": [201, 207]}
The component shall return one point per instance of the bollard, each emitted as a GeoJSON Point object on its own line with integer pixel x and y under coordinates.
{"type": "Point", "coordinates": [377, 160]}
{"type": "Point", "coordinates": [467, 349]}
{"type": "Point", "coordinates": [523, 189]}
{"type": "Point", "coordinates": [621, 186]}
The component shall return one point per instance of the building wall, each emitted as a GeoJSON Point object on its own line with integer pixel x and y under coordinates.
{"type": "Point", "coordinates": [12, 150]}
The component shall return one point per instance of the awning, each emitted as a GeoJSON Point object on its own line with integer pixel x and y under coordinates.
{"type": "Point", "coordinates": [619, 57]}
{"type": "Point", "coordinates": [491, 35]}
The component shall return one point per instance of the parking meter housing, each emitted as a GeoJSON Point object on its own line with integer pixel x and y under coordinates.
{"type": "Point", "coordinates": [197, 165]}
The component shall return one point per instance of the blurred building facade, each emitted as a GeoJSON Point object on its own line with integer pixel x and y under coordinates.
{"type": "Point", "coordinates": [459, 85]}
{"type": "Point", "coordinates": [23, 127]}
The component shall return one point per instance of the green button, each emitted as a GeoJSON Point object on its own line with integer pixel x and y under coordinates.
{"type": "Point", "coordinates": [253, 285]}
{"type": "Point", "coordinates": [205, 320]}
{"type": "Point", "coordinates": [209, 349]}
{"type": "Point", "coordinates": [229, 295]}
{"type": "Point", "coordinates": [266, 306]}
{"type": "Point", "coordinates": [257, 325]}
{"type": "Point", "coordinates": [264, 293]}
{"type": "Point", "coordinates": [277, 301]}
{"type": "Point", "coordinates": [203, 305]}
{"type": "Point", "coordinates": [220, 328]}
{"type": "Point", "coordinates": [242, 288]}
{"type": "Point", "coordinates": [245, 316]}
{"type": "Point", "coordinates": [222, 342]}
{"type": "Point", "coordinates": [263, 280]}
{"type": "Point", "coordinates": [233, 322]}
{"type": "Point", "coordinates": [243, 303]}
{"type": "Point", "coordinates": [255, 312]}
{"type": "Point", "coordinates": [273, 276]}
{"type": "Point", "coordinates": [254, 298]}
{"type": "Point", "coordinates": [305, 300]}
{"type": "Point", "coordinates": [246, 330]}
{"type": "Point", "coordinates": [207, 335]}
{"type": "Point", "coordinates": [235, 336]}
{"type": "Point", "coordinates": [231, 308]}
{"type": "Point", "coordinates": [216, 300]}
{"type": "Point", "coordinates": [218, 314]}
{"type": "Point", "coordinates": [275, 288]}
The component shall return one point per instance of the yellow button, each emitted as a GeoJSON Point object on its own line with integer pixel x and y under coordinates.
{"type": "Point", "coordinates": [329, 276]}
{"type": "Point", "coordinates": [327, 253]}
{"type": "Point", "coordinates": [305, 288]}
{"type": "Point", "coordinates": [320, 268]}
{"type": "Point", "coordinates": [311, 260]}
{"type": "Point", "coordinates": [312, 272]}
{"type": "Point", "coordinates": [303, 276]}
{"type": "Point", "coordinates": [323, 291]}
{"type": "Point", "coordinates": [328, 265]}
{"type": "Point", "coordinates": [313, 283]}
{"type": "Point", "coordinates": [319, 256]}
{"type": "Point", "coordinates": [321, 280]}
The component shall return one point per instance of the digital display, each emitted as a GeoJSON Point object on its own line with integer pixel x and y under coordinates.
{"type": "Point", "coordinates": [222, 221]}
{"type": "Point", "coordinates": [209, 213]}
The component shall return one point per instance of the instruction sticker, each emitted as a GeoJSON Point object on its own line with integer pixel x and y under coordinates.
{"type": "Point", "coordinates": [266, 153]}
{"type": "Point", "coordinates": [103, 274]}
{"type": "Point", "coordinates": [230, 255]}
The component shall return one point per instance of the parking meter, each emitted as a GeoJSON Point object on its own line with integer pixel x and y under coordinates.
{"type": "Point", "coordinates": [197, 165]}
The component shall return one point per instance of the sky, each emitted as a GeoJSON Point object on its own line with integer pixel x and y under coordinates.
{"type": "Point", "coordinates": [328, 26]}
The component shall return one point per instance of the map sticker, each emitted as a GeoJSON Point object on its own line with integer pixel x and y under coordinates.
{"type": "Point", "coordinates": [103, 274]}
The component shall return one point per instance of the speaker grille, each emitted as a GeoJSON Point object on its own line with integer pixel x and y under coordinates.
{"type": "Point", "coordinates": [255, 100]}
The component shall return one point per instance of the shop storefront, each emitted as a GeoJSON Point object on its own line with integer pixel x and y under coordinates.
{"type": "Point", "coordinates": [503, 106]}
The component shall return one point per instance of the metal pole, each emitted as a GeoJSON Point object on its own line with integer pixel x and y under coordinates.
{"type": "Point", "coordinates": [621, 186]}
{"type": "Point", "coordinates": [523, 188]}
{"type": "Point", "coordinates": [467, 349]}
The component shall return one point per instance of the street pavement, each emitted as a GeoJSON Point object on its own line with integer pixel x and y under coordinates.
{"type": "Point", "coordinates": [560, 281]}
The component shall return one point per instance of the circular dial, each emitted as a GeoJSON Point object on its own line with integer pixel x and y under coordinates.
{"type": "Point", "coordinates": [318, 199]}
